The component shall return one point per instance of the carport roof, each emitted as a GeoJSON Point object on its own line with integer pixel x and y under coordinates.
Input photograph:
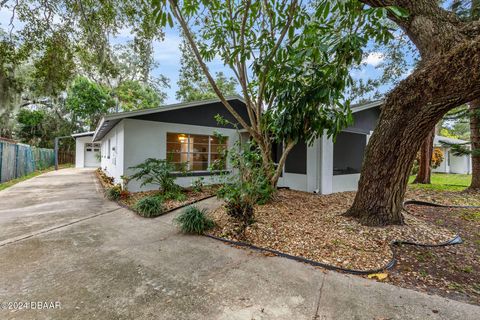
{"type": "Point", "coordinates": [83, 134]}
{"type": "Point", "coordinates": [111, 120]}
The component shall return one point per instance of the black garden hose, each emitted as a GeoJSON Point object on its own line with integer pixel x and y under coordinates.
{"type": "Point", "coordinates": [456, 240]}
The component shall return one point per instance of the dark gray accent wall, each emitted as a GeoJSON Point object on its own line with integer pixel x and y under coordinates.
{"type": "Point", "coordinates": [348, 151]}
{"type": "Point", "coordinates": [297, 159]}
{"type": "Point", "coordinates": [203, 115]}
{"type": "Point", "coordinates": [365, 121]}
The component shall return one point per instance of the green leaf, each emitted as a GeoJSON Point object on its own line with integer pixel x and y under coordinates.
{"type": "Point", "coordinates": [398, 11]}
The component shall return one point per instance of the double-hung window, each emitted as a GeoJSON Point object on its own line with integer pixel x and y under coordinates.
{"type": "Point", "coordinates": [193, 152]}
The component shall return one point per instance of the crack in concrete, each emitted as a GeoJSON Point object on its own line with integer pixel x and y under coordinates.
{"type": "Point", "coordinates": [47, 230]}
{"type": "Point", "coordinates": [316, 316]}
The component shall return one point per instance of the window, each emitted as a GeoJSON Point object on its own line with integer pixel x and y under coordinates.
{"type": "Point", "coordinates": [194, 152]}
{"type": "Point", "coordinates": [108, 150]}
{"type": "Point", "coordinates": [348, 152]}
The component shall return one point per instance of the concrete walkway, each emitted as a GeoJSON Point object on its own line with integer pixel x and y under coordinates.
{"type": "Point", "coordinates": [63, 244]}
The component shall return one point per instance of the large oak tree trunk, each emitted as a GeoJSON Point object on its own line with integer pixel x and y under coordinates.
{"type": "Point", "coordinates": [448, 76]}
{"type": "Point", "coordinates": [475, 143]}
{"type": "Point", "coordinates": [424, 168]}
{"type": "Point", "coordinates": [406, 118]}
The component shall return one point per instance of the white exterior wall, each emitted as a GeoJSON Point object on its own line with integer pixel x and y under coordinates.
{"type": "Point", "coordinates": [293, 181]}
{"type": "Point", "coordinates": [460, 164]}
{"type": "Point", "coordinates": [80, 150]}
{"type": "Point", "coordinates": [114, 166]}
{"type": "Point", "coordinates": [345, 182]}
{"type": "Point", "coordinates": [147, 139]}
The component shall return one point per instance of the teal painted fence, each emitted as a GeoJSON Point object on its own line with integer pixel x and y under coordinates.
{"type": "Point", "coordinates": [17, 160]}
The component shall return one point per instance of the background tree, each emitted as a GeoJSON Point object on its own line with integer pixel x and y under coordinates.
{"type": "Point", "coordinates": [192, 83]}
{"type": "Point", "coordinates": [293, 87]}
{"type": "Point", "coordinates": [447, 76]}
{"type": "Point", "coordinates": [470, 11]}
{"type": "Point", "coordinates": [134, 95]}
{"type": "Point", "coordinates": [56, 41]}
{"type": "Point", "coordinates": [88, 101]}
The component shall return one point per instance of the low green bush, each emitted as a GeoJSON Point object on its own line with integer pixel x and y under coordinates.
{"type": "Point", "coordinates": [194, 220]}
{"type": "Point", "coordinates": [158, 172]}
{"type": "Point", "coordinates": [177, 195]}
{"type": "Point", "coordinates": [114, 193]}
{"type": "Point", "coordinates": [197, 185]}
{"type": "Point", "coordinates": [150, 206]}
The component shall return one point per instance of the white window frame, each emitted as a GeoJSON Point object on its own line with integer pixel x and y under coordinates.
{"type": "Point", "coordinates": [190, 163]}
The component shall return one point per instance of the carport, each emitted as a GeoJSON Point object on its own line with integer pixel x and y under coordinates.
{"type": "Point", "coordinates": [87, 153]}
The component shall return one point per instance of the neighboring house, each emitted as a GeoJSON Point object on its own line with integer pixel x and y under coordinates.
{"type": "Point", "coordinates": [452, 163]}
{"type": "Point", "coordinates": [184, 133]}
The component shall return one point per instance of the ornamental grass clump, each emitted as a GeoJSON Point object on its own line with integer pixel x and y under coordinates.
{"type": "Point", "coordinates": [150, 206]}
{"type": "Point", "coordinates": [195, 221]}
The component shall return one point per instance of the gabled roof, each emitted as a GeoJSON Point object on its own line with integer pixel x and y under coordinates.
{"type": "Point", "coordinates": [83, 134]}
{"type": "Point", "coordinates": [109, 121]}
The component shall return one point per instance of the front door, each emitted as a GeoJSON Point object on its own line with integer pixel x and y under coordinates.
{"type": "Point", "coordinates": [92, 153]}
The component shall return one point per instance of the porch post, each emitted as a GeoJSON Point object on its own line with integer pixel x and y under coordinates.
{"type": "Point", "coordinates": [56, 153]}
{"type": "Point", "coordinates": [326, 165]}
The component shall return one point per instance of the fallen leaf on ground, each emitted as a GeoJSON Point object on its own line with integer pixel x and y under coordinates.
{"type": "Point", "coordinates": [379, 276]}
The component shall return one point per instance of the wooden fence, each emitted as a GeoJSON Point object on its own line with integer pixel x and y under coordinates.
{"type": "Point", "coordinates": [17, 160]}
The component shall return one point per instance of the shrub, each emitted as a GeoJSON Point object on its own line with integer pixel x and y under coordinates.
{"type": "Point", "coordinates": [158, 172]}
{"type": "Point", "coordinates": [114, 193]}
{"type": "Point", "coordinates": [175, 195]}
{"type": "Point", "coordinates": [197, 184]}
{"type": "Point", "coordinates": [124, 194]}
{"type": "Point", "coordinates": [150, 206]}
{"type": "Point", "coordinates": [437, 159]}
{"type": "Point", "coordinates": [249, 187]}
{"type": "Point", "coordinates": [194, 220]}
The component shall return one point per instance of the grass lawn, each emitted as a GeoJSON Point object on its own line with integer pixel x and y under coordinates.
{"type": "Point", "coordinates": [10, 183]}
{"type": "Point", "coordinates": [444, 182]}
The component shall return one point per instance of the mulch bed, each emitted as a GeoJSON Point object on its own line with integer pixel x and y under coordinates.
{"type": "Point", "coordinates": [453, 271]}
{"type": "Point", "coordinates": [312, 226]}
{"type": "Point", "coordinates": [132, 197]}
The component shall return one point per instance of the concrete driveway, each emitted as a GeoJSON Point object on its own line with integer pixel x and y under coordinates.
{"type": "Point", "coordinates": [83, 257]}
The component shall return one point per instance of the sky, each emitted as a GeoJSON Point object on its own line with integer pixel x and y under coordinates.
{"type": "Point", "coordinates": [167, 54]}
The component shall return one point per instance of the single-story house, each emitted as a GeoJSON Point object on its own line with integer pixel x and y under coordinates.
{"type": "Point", "coordinates": [185, 134]}
{"type": "Point", "coordinates": [451, 163]}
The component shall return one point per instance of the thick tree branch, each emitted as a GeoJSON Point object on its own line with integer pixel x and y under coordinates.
{"type": "Point", "coordinates": [262, 81]}
{"type": "Point", "coordinates": [283, 159]}
{"type": "Point", "coordinates": [462, 69]}
{"type": "Point", "coordinates": [176, 12]}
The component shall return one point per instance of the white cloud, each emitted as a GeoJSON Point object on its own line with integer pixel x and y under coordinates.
{"type": "Point", "coordinates": [167, 51]}
{"type": "Point", "coordinates": [374, 59]}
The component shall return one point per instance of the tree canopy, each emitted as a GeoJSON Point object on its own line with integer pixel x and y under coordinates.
{"type": "Point", "coordinates": [88, 101]}
{"type": "Point", "coordinates": [291, 60]}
